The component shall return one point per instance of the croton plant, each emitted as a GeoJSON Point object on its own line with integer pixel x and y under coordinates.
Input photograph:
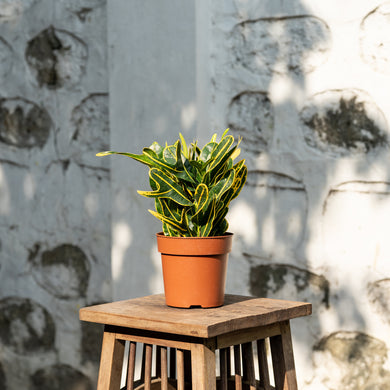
{"type": "Point", "coordinates": [192, 187]}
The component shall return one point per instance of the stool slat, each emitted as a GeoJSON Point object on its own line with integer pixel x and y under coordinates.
{"type": "Point", "coordinates": [248, 366]}
{"type": "Point", "coordinates": [237, 367]}
{"type": "Point", "coordinates": [180, 369]}
{"type": "Point", "coordinates": [164, 368]}
{"type": "Point", "coordinates": [131, 366]}
{"type": "Point", "coordinates": [223, 369]}
{"type": "Point", "coordinates": [263, 364]}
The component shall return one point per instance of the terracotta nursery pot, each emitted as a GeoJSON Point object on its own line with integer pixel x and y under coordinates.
{"type": "Point", "coordinates": [194, 269]}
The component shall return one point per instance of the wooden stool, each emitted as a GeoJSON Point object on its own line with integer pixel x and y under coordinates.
{"type": "Point", "coordinates": [186, 341]}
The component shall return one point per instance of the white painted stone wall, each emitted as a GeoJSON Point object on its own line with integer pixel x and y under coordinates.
{"type": "Point", "coordinates": [55, 234]}
{"type": "Point", "coordinates": [305, 83]}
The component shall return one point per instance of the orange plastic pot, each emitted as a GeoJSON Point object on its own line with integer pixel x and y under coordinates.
{"type": "Point", "coordinates": [194, 269]}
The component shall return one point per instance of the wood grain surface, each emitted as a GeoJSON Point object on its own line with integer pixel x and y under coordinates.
{"type": "Point", "coordinates": [238, 312]}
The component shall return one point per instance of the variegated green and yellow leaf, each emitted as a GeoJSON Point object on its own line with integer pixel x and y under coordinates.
{"type": "Point", "coordinates": [138, 157]}
{"type": "Point", "coordinates": [206, 152]}
{"type": "Point", "coordinates": [175, 225]}
{"type": "Point", "coordinates": [223, 185]}
{"type": "Point", "coordinates": [192, 187]}
{"type": "Point", "coordinates": [206, 227]}
{"type": "Point", "coordinates": [166, 188]}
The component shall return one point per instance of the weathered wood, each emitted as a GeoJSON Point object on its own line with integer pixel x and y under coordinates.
{"type": "Point", "coordinates": [111, 361]}
{"type": "Point", "coordinates": [237, 367]}
{"type": "Point", "coordinates": [263, 365]}
{"type": "Point", "coordinates": [151, 313]}
{"type": "Point", "coordinates": [148, 366]}
{"type": "Point", "coordinates": [283, 359]}
{"type": "Point", "coordinates": [228, 361]}
{"type": "Point", "coordinates": [240, 337]}
{"type": "Point", "coordinates": [194, 335]}
{"type": "Point", "coordinates": [223, 369]}
{"type": "Point", "coordinates": [157, 340]}
{"type": "Point", "coordinates": [180, 369]}
{"type": "Point", "coordinates": [164, 369]}
{"type": "Point", "coordinates": [203, 367]}
{"type": "Point", "coordinates": [131, 366]}
{"type": "Point", "coordinates": [248, 365]}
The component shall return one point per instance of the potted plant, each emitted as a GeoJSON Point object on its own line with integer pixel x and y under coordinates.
{"type": "Point", "coordinates": [192, 188]}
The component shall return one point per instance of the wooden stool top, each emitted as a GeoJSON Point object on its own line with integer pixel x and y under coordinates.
{"type": "Point", "coordinates": [238, 312]}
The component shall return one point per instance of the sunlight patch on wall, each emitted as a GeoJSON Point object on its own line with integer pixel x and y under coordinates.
{"type": "Point", "coordinates": [91, 204]}
{"type": "Point", "coordinates": [188, 116]}
{"type": "Point", "coordinates": [5, 204]}
{"type": "Point", "coordinates": [242, 221]}
{"type": "Point", "coordinates": [122, 238]}
{"type": "Point", "coordinates": [156, 284]}
{"type": "Point", "coordinates": [29, 186]}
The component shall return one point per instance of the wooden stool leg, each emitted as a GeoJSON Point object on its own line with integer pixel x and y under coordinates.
{"type": "Point", "coordinates": [131, 366]}
{"type": "Point", "coordinates": [263, 365]}
{"type": "Point", "coordinates": [111, 362]}
{"type": "Point", "coordinates": [228, 362]}
{"type": "Point", "coordinates": [164, 368]}
{"type": "Point", "coordinates": [180, 369]}
{"type": "Point", "coordinates": [248, 365]}
{"type": "Point", "coordinates": [223, 368]}
{"type": "Point", "coordinates": [283, 359]}
{"type": "Point", "coordinates": [148, 366]}
{"type": "Point", "coordinates": [203, 367]}
{"type": "Point", "coordinates": [237, 367]}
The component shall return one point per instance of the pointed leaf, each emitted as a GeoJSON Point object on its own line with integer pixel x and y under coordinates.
{"type": "Point", "coordinates": [206, 228]}
{"type": "Point", "coordinates": [139, 157]}
{"type": "Point", "coordinates": [166, 188]}
{"type": "Point", "coordinates": [223, 185]}
{"type": "Point", "coordinates": [224, 133]}
{"type": "Point", "coordinates": [184, 146]}
{"type": "Point", "coordinates": [205, 153]}
{"type": "Point", "coordinates": [168, 221]}
{"type": "Point", "coordinates": [169, 155]}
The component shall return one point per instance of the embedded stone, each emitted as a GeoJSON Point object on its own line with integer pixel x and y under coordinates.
{"type": "Point", "coordinates": [288, 281]}
{"type": "Point", "coordinates": [23, 123]}
{"type": "Point", "coordinates": [374, 38]}
{"type": "Point", "coordinates": [25, 326]}
{"type": "Point", "coordinates": [342, 122]}
{"type": "Point", "coordinates": [90, 123]}
{"type": "Point", "coordinates": [379, 295]}
{"type": "Point", "coordinates": [57, 58]}
{"type": "Point", "coordinates": [63, 271]}
{"type": "Point", "coordinates": [281, 211]}
{"type": "Point", "coordinates": [296, 44]}
{"type": "Point", "coordinates": [59, 377]}
{"type": "Point", "coordinates": [83, 8]}
{"type": "Point", "coordinates": [251, 116]}
{"type": "Point", "coordinates": [91, 341]}
{"type": "Point", "coordinates": [354, 361]}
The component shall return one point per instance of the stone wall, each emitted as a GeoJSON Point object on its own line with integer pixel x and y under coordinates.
{"type": "Point", "coordinates": [54, 194]}
{"type": "Point", "coordinates": [304, 83]}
